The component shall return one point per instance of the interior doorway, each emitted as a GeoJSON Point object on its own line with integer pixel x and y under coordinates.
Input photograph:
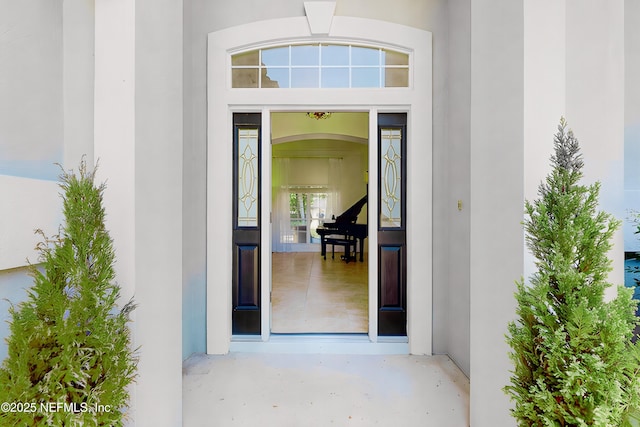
{"type": "Point", "coordinates": [319, 171]}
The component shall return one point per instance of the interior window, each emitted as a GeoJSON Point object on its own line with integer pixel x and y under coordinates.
{"type": "Point", "coordinates": [306, 212]}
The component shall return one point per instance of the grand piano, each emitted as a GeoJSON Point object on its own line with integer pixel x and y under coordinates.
{"type": "Point", "coordinates": [345, 232]}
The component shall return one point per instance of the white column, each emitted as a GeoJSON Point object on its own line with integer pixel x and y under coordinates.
{"type": "Point", "coordinates": [496, 199]}
{"type": "Point", "coordinates": [158, 233]}
{"type": "Point", "coordinates": [114, 128]}
{"type": "Point", "coordinates": [114, 138]}
{"type": "Point", "coordinates": [138, 140]}
{"type": "Point", "coordinates": [78, 41]}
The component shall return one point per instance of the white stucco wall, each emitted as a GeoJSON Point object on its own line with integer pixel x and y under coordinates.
{"type": "Point", "coordinates": [31, 91]}
{"type": "Point", "coordinates": [544, 93]}
{"type": "Point", "coordinates": [497, 183]}
{"type": "Point", "coordinates": [46, 96]}
{"type": "Point", "coordinates": [595, 103]}
{"type": "Point", "coordinates": [455, 256]}
{"type": "Point", "coordinates": [28, 204]}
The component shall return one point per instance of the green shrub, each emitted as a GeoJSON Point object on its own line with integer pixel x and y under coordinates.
{"type": "Point", "coordinates": [574, 361]}
{"type": "Point", "coordinates": [70, 360]}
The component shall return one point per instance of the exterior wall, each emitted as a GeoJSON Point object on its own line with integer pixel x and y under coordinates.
{"type": "Point", "coordinates": [31, 90]}
{"type": "Point", "coordinates": [13, 285]}
{"type": "Point", "coordinates": [31, 125]}
{"type": "Point", "coordinates": [631, 122]}
{"type": "Point", "coordinates": [78, 37]}
{"type": "Point", "coordinates": [454, 334]}
{"type": "Point", "coordinates": [544, 93]}
{"type": "Point", "coordinates": [497, 182]}
{"type": "Point", "coordinates": [595, 103]}
{"type": "Point", "coordinates": [46, 95]}
{"type": "Point", "coordinates": [46, 113]}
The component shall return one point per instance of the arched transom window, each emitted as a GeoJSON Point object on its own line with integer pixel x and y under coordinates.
{"type": "Point", "coordinates": [320, 66]}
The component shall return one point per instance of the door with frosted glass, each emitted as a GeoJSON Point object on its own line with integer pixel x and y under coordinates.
{"type": "Point", "coordinates": [392, 233]}
{"type": "Point", "coordinates": [246, 224]}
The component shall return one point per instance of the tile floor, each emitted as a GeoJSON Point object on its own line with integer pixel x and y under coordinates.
{"type": "Point", "coordinates": [310, 294]}
{"type": "Point", "coordinates": [292, 390]}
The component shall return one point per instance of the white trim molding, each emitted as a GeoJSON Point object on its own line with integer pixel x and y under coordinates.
{"type": "Point", "coordinates": [416, 100]}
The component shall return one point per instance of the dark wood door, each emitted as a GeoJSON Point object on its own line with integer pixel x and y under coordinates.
{"type": "Point", "coordinates": [392, 233]}
{"type": "Point", "coordinates": [246, 223]}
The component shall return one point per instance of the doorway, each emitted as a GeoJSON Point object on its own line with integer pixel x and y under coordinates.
{"type": "Point", "coordinates": [224, 102]}
{"type": "Point", "coordinates": [319, 170]}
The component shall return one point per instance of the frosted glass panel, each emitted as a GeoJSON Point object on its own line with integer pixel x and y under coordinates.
{"type": "Point", "coordinates": [245, 77]}
{"type": "Point", "coordinates": [247, 177]}
{"type": "Point", "coordinates": [391, 178]}
{"type": "Point", "coordinates": [394, 58]}
{"type": "Point", "coordinates": [396, 77]}
{"type": "Point", "coordinates": [248, 58]}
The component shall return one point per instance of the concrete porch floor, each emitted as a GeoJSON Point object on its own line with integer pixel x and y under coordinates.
{"type": "Point", "coordinates": [291, 390]}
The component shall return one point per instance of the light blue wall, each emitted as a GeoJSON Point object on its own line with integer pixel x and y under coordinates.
{"type": "Point", "coordinates": [631, 185]}
{"type": "Point", "coordinates": [631, 124]}
{"type": "Point", "coordinates": [13, 285]}
{"type": "Point", "coordinates": [194, 315]}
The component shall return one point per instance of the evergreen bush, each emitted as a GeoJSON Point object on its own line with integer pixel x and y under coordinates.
{"type": "Point", "coordinates": [70, 360]}
{"type": "Point", "coordinates": [572, 351]}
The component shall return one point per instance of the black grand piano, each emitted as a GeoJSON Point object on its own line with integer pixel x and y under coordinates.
{"type": "Point", "coordinates": [345, 232]}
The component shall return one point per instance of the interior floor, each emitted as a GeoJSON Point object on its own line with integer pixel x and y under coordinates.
{"type": "Point", "coordinates": [311, 294]}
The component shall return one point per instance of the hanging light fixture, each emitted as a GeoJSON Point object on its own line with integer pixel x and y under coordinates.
{"type": "Point", "coordinates": [319, 115]}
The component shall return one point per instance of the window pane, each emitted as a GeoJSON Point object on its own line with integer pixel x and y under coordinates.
{"type": "Point", "coordinates": [365, 77]}
{"type": "Point", "coordinates": [244, 77]}
{"type": "Point", "coordinates": [364, 56]}
{"type": "Point", "coordinates": [305, 77]}
{"type": "Point", "coordinates": [248, 177]}
{"type": "Point", "coordinates": [249, 58]}
{"type": "Point", "coordinates": [396, 77]}
{"type": "Point", "coordinates": [335, 77]}
{"type": "Point", "coordinates": [305, 55]}
{"type": "Point", "coordinates": [335, 55]}
{"type": "Point", "coordinates": [275, 77]}
{"type": "Point", "coordinates": [390, 178]}
{"type": "Point", "coordinates": [390, 57]}
{"type": "Point", "coordinates": [276, 56]}
{"type": "Point", "coordinates": [320, 65]}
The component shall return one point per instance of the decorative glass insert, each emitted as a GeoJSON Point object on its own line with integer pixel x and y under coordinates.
{"type": "Point", "coordinates": [247, 177]}
{"type": "Point", "coordinates": [320, 65]}
{"type": "Point", "coordinates": [391, 178]}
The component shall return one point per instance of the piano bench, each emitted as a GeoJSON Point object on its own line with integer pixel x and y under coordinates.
{"type": "Point", "coordinates": [347, 244]}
